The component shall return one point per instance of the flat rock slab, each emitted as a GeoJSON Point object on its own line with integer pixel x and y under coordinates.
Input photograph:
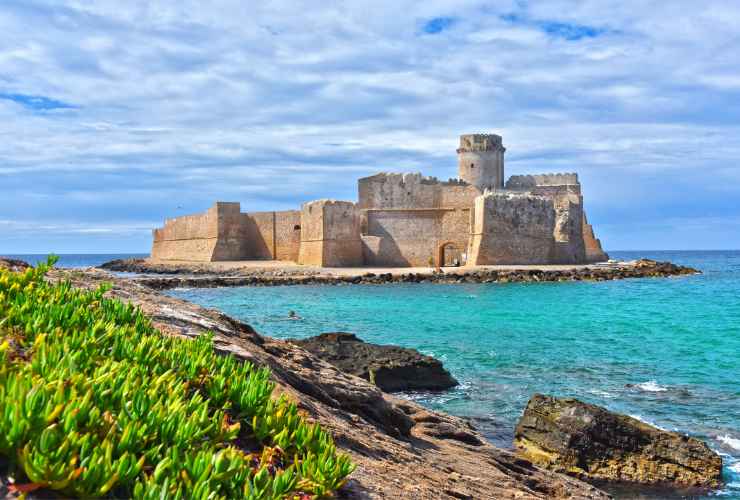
{"type": "Point", "coordinates": [590, 442]}
{"type": "Point", "coordinates": [391, 368]}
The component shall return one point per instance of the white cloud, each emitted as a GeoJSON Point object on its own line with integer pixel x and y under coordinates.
{"type": "Point", "coordinates": [178, 103]}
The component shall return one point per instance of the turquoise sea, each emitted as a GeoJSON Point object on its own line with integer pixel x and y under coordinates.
{"type": "Point", "coordinates": [666, 351]}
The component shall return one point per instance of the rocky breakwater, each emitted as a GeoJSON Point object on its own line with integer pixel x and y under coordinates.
{"type": "Point", "coordinates": [389, 367]}
{"type": "Point", "coordinates": [590, 442]}
{"type": "Point", "coordinates": [200, 277]}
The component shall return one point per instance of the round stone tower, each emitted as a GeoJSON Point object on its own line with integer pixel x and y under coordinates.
{"type": "Point", "coordinates": [481, 160]}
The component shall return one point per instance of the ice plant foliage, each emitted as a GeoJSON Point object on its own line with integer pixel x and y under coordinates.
{"type": "Point", "coordinates": [94, 401]}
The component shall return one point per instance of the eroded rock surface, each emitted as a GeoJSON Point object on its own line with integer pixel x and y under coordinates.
{"type": "Point", "coordinates": [391, 368]}
{"type": "Point", "coordinates": [402, 450]}
{"type": "Point", "coordinates": [587, 441]}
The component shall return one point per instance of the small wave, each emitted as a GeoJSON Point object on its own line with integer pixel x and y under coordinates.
{"type": "Point", "coordinates": [735, 467]}
{"type": "Point", "coordinates": [730, 489]}
{"type": "Point", "coordinates": [730, 442]}
{"type": "Point", "coordinates": [651, 386]}
{"type": "Point", "coordinates": [603, 394]}
{"type": "Point", "coordinates": [646, 421]}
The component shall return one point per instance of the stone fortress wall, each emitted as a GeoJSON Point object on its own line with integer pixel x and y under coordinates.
{"type": "Point", "coordinates": [331, 237]}
{"type": "Point", "coordinates": [406, 217]}
{"type": "Point", "coordinates": [512, 228]}
{"type": "Point", "coordinates": [190, 237]}
{"type": "Point", "coordinates": [403, 220]}
{"type": "Point", "coordinates": [223, 232]}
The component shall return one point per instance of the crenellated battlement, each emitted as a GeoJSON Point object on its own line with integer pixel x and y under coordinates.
{"type": "Point", "coordinates": [520, 182]}
{"type": "Point", "coordinates": [480, 142]}
{"type": "Point", "coordinates": [412, 178]}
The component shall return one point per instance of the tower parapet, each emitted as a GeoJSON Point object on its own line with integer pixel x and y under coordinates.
{"type": "Point", "coordinates": [481, 160]}
{"type": "Point", "coordinates": [523, 182]}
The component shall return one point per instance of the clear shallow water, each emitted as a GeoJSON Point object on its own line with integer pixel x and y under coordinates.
{"type": "Point", "coordinates": [666, 351]}
{"type": "Point", "coordinates": [76, 259]}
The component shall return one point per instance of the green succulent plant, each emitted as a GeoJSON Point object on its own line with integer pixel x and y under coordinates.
{"type": "Point", "coordinates": [95, 402]}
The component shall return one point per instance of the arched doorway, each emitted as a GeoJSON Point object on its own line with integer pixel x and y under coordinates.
{"type": "Point", "coordinates": [449, 255]}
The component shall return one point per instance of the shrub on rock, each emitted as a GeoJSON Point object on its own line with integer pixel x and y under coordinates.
{"type": "Point", "coordinates": [94, 401]}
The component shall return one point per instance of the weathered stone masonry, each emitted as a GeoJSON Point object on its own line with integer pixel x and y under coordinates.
{"type": "Point", "coordinates": [406, 220]}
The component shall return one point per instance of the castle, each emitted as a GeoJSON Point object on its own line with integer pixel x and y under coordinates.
{"type": "Point", "coordinates": [403, 220]}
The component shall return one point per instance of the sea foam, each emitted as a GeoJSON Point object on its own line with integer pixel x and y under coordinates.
{"type": "Point", "coordinates": [730, 442]}
{"type": "Point", "coordinates": [646, 421]}
{"type": "Point", "coordinates": [651, 386]}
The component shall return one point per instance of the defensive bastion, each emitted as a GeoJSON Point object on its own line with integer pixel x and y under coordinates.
{"type": "Point", "coordinates": [401, 220]}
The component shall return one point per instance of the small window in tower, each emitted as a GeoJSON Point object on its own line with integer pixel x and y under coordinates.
{"type": "Point", "coordinates": [297, 227]}
{"type": "Point", "coordinates": [472, 165]}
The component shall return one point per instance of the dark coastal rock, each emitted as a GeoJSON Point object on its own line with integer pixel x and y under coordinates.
{"type": "Point", "coordinates": [13, 264]}
{"type": "Point", "coordinates": [391, 368]}
{"type": "Point", "coordinates": [144, 267]}
{"type": "Point", "coordinates": [590, 442]}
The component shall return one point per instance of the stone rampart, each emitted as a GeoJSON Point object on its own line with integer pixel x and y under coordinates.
{"type": "Point", "coordinates": [413, 237]}
{"type": "Point", "coordinates": [568, 233]}
{"type": "Point", "coordinates": [412, 190]}
{"type": "Point", "coordinates": [224, 233]}
{"type": "Point", "coordinates": [593, 249]}
{"type": "Point", "coordinates": [512, 228]}
{"type": "Point", "coordinates": [272, 235]}
{"type": "Point", "coordinates": [529, 182]}
{"type": "Point", "coordinates": [330, 234]}
{"type": "Point", "coordinates": [230, 244]}
{"type": "Point", "coordinates": [190, 237]}
{"type": "Point", "coordinates": [565, 191]}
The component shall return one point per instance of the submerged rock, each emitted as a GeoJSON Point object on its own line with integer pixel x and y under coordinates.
{"type": "Point", "coordinates": [590, 442]}
{"type": "Point", "coordinates": [391, 368]}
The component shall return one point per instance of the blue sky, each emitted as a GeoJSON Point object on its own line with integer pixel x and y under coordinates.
{"type": "Point", "coordinates": [115, 115]}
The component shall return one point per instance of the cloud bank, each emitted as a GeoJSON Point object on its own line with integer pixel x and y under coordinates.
{"type": "Point", "coordinates": [115, 115]}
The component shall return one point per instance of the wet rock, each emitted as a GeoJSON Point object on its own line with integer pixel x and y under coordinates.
{"type": "Point", "coordinates": [128, 265]}
{"type": "Point", "coordinates": [391, 368]}
{"type": "Point", "coordinates": [590, 442]}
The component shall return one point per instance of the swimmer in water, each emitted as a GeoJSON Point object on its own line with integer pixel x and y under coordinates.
{"type": "Point", "coordinates": [293, 315]}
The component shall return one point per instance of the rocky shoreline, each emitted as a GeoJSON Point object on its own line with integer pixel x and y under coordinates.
{"type": "Point", "coordinates": [392, 439]}
{"type": "Point", "coordinates": [163, 277]}
{"type": "Point", "coordinates": [402, 450]}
